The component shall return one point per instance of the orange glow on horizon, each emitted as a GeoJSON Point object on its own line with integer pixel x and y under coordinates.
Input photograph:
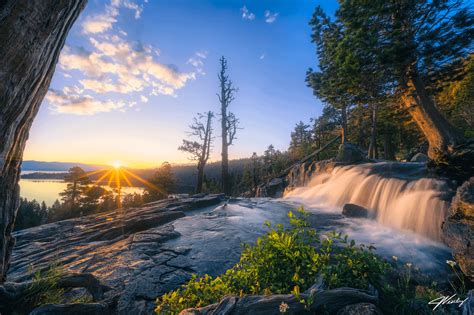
{"type": "Point", "coordinates": [115, 178]}
{"type": "Point", "coordinates": [116, 164]}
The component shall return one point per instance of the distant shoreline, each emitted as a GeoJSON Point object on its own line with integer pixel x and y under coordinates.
{"type": "Point", "coordinates": [44, 175]}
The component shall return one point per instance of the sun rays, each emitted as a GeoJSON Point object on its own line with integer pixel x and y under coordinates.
{"type": "Point", "coordinates": [117, 177]}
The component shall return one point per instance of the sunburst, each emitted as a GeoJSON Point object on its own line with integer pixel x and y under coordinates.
{"type": "Point", "coordinates": [116, 177]}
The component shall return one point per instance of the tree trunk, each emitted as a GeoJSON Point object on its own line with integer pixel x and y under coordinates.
{"type": "Point", "coordinates": [441, 135]}
{"type": "Point", "coordinates": [344, 124]}
{"type": "Point", "coordinates": [200, 177]}
{"type": "Point", "coordinates": [32, 34]}
{"type": "Point", "coordinates": [225, 154]}
{"type": "Point", "coordinates": [388, 149]}
{"type": "Point", "coordinates": [373, 154]}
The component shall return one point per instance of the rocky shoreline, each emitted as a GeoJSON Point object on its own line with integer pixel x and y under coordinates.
{"type": "Point", "coordinates": [126, 250]}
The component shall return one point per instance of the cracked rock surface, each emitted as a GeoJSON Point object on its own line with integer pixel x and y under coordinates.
{"type": "Point", "coordinates": [145, 252]}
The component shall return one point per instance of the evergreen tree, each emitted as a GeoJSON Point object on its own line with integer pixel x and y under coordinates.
{"type": "Point", "coordinates": [162, 183]}
{"type": "Point", "coordinates": [409, 41]}
{"type": "Point", "coordinates": [91, 199]}
{"type": "Point", "coordinates": [456, 97]}
{"type": "Point", "coordinates": [300, 144]}
{"type": "Point", "coordinates": [30, 214]}
{"type": "Point", "coordinates": [77, 179]}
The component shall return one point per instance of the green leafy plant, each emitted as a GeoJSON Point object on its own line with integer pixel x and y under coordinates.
{"type": "Point", "coordinates": [285, 260]}
{"type": "Point", "coordinates": [196, 293]}
{"type": "Point", "coordinates": [355, 265]}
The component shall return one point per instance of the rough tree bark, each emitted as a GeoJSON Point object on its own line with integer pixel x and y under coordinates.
{"type": "Point", "coordinates": [32, 34]}
{"type": "Point", "coordinates": [441, 135]}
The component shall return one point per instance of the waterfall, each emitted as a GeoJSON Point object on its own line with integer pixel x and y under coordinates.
{"type": "Point", "coordinates": [396, 194]}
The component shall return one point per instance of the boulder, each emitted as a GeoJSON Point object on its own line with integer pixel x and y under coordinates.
{"type": "Point", "coordinates": [274, 188]}
{"type": "Point", "coordinates": [322, 302]}
{"type": "Point", "coordinates": [76, 309]}
{"type": "Point", "coordinates": [354, 211]}
{"type": "Point", "coordinates": [458, 228]}
{"type": "Point", "coordinates": [468, 307]}
{"type": "Point", "coordinates": [360, 309]}
{"type": "Point", "coordinates": [349, 153]}
{"type": "Point", "coordinates": [419, 157]}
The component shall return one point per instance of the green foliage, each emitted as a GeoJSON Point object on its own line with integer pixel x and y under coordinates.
{"type": "Point", "coordinates": [281, 260]}
{"type": "Point", "coordinates": [407, 291]}
{"type": "Point", "coordinates": [162, 184]}
{"type": "Point", "coordinates": [301, 142]}
{"type": "Point", "coordinates": [132, 200]}
{"type": "Point", "coordinates": [456, 99]}
{"type": "Point", "coordinates": [285, 260]}
{"type": "Point", "coordinates": [357, 265]}
{"type": "Point", "coordinates": [197, 292]}
{"type": "Point", "coordinates": [371, 53]}
{"type": "Point", "coordinates": [44, 286]}
{"type": "Point", "coordinates": [30, 213]}
{"type": "Point", "coordinates": [77, 180]}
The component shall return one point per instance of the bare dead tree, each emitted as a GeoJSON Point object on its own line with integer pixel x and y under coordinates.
{"type": "Point", "coordinates": [229, 123]}
{"type": "Point", "coordinates": [201, 128]}
{"type": "Point", "coordinates": [32, 34]}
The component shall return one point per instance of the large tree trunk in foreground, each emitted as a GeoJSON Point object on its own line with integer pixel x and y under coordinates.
{"type": "Point", "coordinates": [32, 34]}
{"type": "Point", "coordinates": [441, 135]}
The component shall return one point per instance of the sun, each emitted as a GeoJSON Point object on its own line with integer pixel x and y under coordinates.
{"type": "Point", "coordinates": [116, 164]}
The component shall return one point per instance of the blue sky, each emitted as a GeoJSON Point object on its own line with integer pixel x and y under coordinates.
{"type": "Point", "coordinates": [134, 73]}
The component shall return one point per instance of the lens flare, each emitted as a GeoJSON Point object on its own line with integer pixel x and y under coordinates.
{"type": "Point", "coordinates": [116, 164]}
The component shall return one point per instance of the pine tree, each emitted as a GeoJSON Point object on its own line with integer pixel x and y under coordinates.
{"type": "Point", "coordinates": [409, 41]}
{"type": "Point", "coordinates": [162, 183]}
{"type": "Point", "coordinates": [77, 179]}
{"type": "Point", "coordinates": [300, 144]}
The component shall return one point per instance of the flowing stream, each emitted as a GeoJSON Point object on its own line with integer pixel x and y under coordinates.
{"type": "Point", "coordinates": [397, 195]}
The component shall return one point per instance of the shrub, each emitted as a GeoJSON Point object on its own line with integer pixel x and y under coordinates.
{"type": "Point", "coordinates": [197, 292]}
{"type": "Point", "coordinates": [284, 260]}
{"type": "Point", "coordinates": [44, 286]}
{"type": "Point", "coordinates": [354, 266]}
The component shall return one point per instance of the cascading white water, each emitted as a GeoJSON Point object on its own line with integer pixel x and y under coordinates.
{"type": "Point", "coordinates": [394, 193]}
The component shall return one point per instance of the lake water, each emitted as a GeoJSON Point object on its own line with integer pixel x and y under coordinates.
{"type": "Point", "coordinates": [48, 190]}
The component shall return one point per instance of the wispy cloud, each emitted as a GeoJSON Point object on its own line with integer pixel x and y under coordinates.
{"type": "Point", "coordinates": [246, 14]}
{"type": "Point", "coordinates": [114, 65]}
{"type": "Point", "coordinates": [197, 61]}
{"type": "Point", "coordinates": [102, 22]}
{"type": "Point", "coordinates": [61, 102]}
{"type": "Point", "coordinates": [262, 56]}
{"type": "Point", "coordinates": [121, 67]}
{"type": "Point", "coordinates": [270, 17]}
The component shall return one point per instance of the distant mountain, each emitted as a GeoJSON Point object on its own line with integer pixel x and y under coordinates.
{"type": "Point", "coordinates": [58, 166]}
